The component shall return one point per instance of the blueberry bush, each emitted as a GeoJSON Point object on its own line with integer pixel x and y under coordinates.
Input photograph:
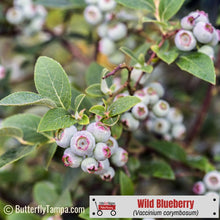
{"type": "Point", "coordinates": [107, 97]}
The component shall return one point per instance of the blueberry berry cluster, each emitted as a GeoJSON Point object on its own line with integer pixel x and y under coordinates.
{"type": "Point", "coordinates": [197, 31]}
{"type": "Point", "coordinates": [209, 185]}
{"type": "Point", "coordinates": [26, 16]}
{"type": "Point", "coordinates": [110, 30]}
{"type": "Point", "coordinates": [91, 149]}
{"type": "Point", "coordinates": [155, 113]}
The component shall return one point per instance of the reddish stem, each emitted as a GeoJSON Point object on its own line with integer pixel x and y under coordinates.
{"type": "Point", "coordinates": [194, 131]}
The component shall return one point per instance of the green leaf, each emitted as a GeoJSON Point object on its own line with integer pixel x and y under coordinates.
{"type": "Point", "coordinates": [122, 105]}
{"type": "Point", "coordinates": [50, 151]}
{"type": "Point", "coordinates": [93, 74]}
{"type": "Point", "coordinates": [141, 50]}
{"type": "Point", "coordinates": [116, 131]}
{"type": "Point", "coordinates": [23, 216]}
{"type": "Point", "coordinates": [149, 20]}
{"type": "Point", "coordinates": [52, 82]}
{"type": "Point", "coordinates": [86, 103]}
{"type": "Point", "coordinates": [26, 98]}
{"type": "Point", "coordinates": [11, 132]}
{"type": "Point", "coordinates": [126, 185]}
{"type": "Point", "coordinates": [140, 4]}
{"type": "Point", "coordinates": [157, 168]}
{"type": "Point", "coordinates": [199, 162]}
{"type": "Point", "coordinates": [45, 193]}
{"type": "Point", "coordinates": [199, 65]}
{"type": "Point", "coordinates": [168, 8]}
{"type": "Point", "coordinates": [56, 119]}
{"type": "Point", "coordinates": [94, 90]}
{"type": "Point", "coordinates": [84, 120]}
{"type": "Point", "coordinates": [28, 123]}
{"type": "Point", "coordinates": [168, 149]}
{"type": "Point", "coordinates": [15, 154]}
{"type": "Point", "coordinates": [62, 3]}
{"type": "Point", "coordinates": [147, 69]}
{"type": "Point", "coordinates": [165, 53]}
{"type": "Point", "coordinates": [79, 100]}
{"type": "Point", "coordinates": [111, 121]}
{"type": "Point", "coordinates": [129, 53]}
{"type": "Point", "coordinates": [98, 110]}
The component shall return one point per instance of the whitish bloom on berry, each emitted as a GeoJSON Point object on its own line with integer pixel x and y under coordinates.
{"type": "Point", "coordinates": [199, 188]}
{"type": "Point", "coordinates": [129, 121]}
{"type": "Point", "coordinates": [102, 166]}
{"type": "Point", "coordinates": [167, 137]}
{"type": "Point", "coordinates": [136, 73]}
{"type": "Point", "coordinates": [93, 15]}
{"type": "Point", "coordinates": [117, 58]}
{"type": "Point", "coordinates": [2, 72]}
{"type": "Point", "coordinates": [185, 40]}
{"type": "Point", "coordinates": [188, 22]}
{"type": "Point", "coordinates": [152, 94]}
{"type": "Point", "coordinates": [161, 108]}
{"type": "Point", "coordinates": [130, 42]}
{"type": "Point", "coordinates": [63, 136]}
{"type": "Point", "coordinates": [107, 46]}
{"type": "Point", "coordinates": [158, 88]}
{"type": "Point", "coordinates": [149, 124]}
{"type": "Point", "coordinates": [82, 143]}
{"type": "Point", "coordinates": [175, 116]}
{"type": "Point", "coordinates": [178, 131]}
{"type": "Point", "coordinates": [140, 111]}
{"type": "Point", "coordinates": [70, 159]}
{"type": "Point", "coordinates": [208, 50]}
{"type": "Point", "coordinates": [22, 3]}
{"type": "Point", "coordinates": [102, 151]}
{"type": "Point", "coordinates": [14, 16]}
{"type": "Point", "coordinates": [161, 126]}
{"type": "Point", "coordinates": [116, 83]}
{"type": "Point", "coordinates": [199, 16]}
{"type": "Point", "coordinates": [112, 144]}
{"type": "Point", "coordinates": [117, 32]}
{"type": "Point", "coordinates": [41, 11]}
{"type": "Point", "coordinates": [203, 32]}
{"type": "Point", "coordinates": [120, 157]}
{"type": "Point", "coordinates": [141, 94]}
{"type": "Point", "coordinates": [29, 11]}
{"type": "Point", "coordinates": [101, 132]}
{"type": "Point", "coordinates": [89, 165]}
{"type": "Point", "coordinates": [212, 180]}
{"type": "Point", "coordinates": [215, 38]}
{"type": "Point", "coordinates": [108, 175]}
{"type": "Point", "coordinates": [102, 30]}
{"type": "Point", "coordinates": [106, 5]}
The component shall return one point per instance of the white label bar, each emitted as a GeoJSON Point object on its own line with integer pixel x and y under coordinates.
{"type": "Point", "coordinates": [154, 206]}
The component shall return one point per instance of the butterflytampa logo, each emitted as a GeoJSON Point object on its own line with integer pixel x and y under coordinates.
{"type": "Point", "coordinates": [154, 206]}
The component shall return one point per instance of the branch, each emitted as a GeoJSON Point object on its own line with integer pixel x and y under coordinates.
{"type": "Point", "coordinates": [194, 131]}
{"type": "Point", "coordinates": [75, 52]}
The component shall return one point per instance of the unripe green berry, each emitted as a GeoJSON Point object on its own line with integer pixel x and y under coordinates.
{"type": "Point", "coordinates": [120, 157]}
{"type": "Point", "coordinates": [100, 131]}
{"type": "Point", "coordinates": [108, 175]}
{"type": "Point", "coordinates": [63, 136]}
{"type": "Point", "coordinates": [140, 111]}
{"type": "Point", "coordinates": [129, 121]}
{"type": "Point", "coordinates": [70, 159]}
{"type": "Point", "coordinates": [161, 108]}
{"type": "Point", "coordinates": [89, 165]}
{"type": "Point", "coordinates": [102, 152]}
{"type": "Point", "coordinates": [82, 143]}
{"type": "Point", "coordinates": [112, 144]}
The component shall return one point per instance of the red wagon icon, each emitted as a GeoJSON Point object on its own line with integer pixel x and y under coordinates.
{"type": "Point", "coordinates": [105, 206]}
